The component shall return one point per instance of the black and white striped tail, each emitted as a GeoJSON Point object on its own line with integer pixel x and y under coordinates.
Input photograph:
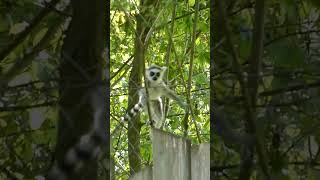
{"type": "Point", "coordinates": [88, 146]}
{"type": "Point", "coordinates": [86, 149]}
{"type": "Point", "coordinates": [133, 112]}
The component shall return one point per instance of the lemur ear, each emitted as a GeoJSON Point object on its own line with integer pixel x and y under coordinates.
{"type": "Point", "coordinates": [164, 68]}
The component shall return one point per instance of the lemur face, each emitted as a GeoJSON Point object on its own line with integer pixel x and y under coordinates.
{"type": "Point", "coordinates": [155, 73]}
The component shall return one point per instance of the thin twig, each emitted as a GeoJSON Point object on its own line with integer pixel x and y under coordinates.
{"type": "Point", "coordinates": [8, 173]}
{"type": "Point", "coordinates": [180, 17]}
{"type": "Point", "coordinates": [119, 79]}
{"type": "Point", "coordinates": [22, 108]}
{"type": "Point", "coordinates": [190, 76]}
{"type": "Point", "coordinates": [290, 34]}
{"type": "Point", "coordinates": [42, 14]}
{"type": "Point", "coordinates": [167, 56]}
{"type": "Point", "coordinates": [20, 64]}
{"type": "Point", "coordinates": [236, 62]}
{"type": "Point", "coordinates": [120, 69]}
{"type": "Point", "coordinates": [253, 84]}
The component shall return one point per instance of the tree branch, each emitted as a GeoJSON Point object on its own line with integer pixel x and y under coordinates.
{"type": "Point", "coordinates": [167, 55]}
{"type": "Point", "coordinates": [290, 34]}
{"type": "Point", "coordinates": [236, 62]}
{"type": "Point", "coordinates": [120, 69]}
{"type": "Point", "coordinates": [42, 14]}
{"type": "Point", "coordinates": [255, 61]}
{"type": "Point", "coordinates": [194, 37]}
{"type": "Point", "coordinates": [20, 64]}
{"type": "Point", "coordinates": [8, 173]}
{"type": "Point", "coordinates": [21, 108]}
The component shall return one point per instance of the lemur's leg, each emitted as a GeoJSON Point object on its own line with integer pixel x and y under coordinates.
{"type": "Point", "coordinates": [156, 108]}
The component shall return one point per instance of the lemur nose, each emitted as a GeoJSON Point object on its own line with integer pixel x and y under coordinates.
{"type": "Point", "coordinates": [154, 78]}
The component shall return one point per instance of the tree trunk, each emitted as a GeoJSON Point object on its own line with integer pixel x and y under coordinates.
{"type": "Point", "coordinates": [135, 81]}
{"type": "Point", "coordinates": [81, 64]}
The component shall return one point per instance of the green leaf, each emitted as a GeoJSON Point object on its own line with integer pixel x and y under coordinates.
{"type": "Point", "coordinates": [286, 54]}
{"type": "Point", "coordinates": [279, 176]}
{"type": "Point", "coordinates": [278, 82]}
{"type": "Point", "coordinates": [42, 70]}
{"type": "Point", "coordinates": [18, 28]}
{"type": "Point", "coordinates": [3, 123]}
{"type": "Point", "coordinates": [43, 137]}
{"type": "Point", "coordinates": [201, 79]}
{"type": "Point", "coordinates": [191, 2]}
{"type": "Point", "coordinates": [39, 36]}
{"type": "Point", "coordinates": [27, 151]}
{"type": "Point", "coordinates": [313, 174]}
{"type": "Point", "coordinates": [4, 25]}
{"type": "Point", "coordinates": [315, 3]}
{"type": "Point", "coordinates": [288, 8]}
{"type": "Point", "coordinates": [245, 48]}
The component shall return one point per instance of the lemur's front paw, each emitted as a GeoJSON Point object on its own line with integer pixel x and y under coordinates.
{"type": "Point", "coordinates": [151, 123]}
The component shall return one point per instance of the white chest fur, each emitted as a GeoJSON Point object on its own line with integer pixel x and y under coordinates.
{"type": "Point", "coordinates": [155, 93]}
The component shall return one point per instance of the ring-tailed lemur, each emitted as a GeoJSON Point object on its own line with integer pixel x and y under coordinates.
{"type": "Point", "coordinates": [156, 89]}
{"type": "Point", "coordinates": [88, 145]}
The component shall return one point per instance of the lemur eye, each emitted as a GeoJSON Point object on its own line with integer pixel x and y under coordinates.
{"type": "Point", "coordinates": [158, 74]}
{"type": "Point", "coordinates": [151, 73]}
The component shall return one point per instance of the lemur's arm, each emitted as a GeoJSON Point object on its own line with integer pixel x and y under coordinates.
{"type": "Point", "coordinates": [172, 95]}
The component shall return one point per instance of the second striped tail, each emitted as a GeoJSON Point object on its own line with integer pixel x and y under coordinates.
{"type": "Point", "coordinates": [133, 112]}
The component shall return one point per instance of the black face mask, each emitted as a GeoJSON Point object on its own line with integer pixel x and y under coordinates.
{"type": "Point", "coordinates": [154, 75]}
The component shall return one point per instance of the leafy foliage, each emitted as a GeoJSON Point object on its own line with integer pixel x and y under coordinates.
{"type": "Point", "coordinates": [288, 101]}
{"type": "Point", "coordinates": [122, 40]}
{"type": "Point", "coordinates": [28, 115]}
